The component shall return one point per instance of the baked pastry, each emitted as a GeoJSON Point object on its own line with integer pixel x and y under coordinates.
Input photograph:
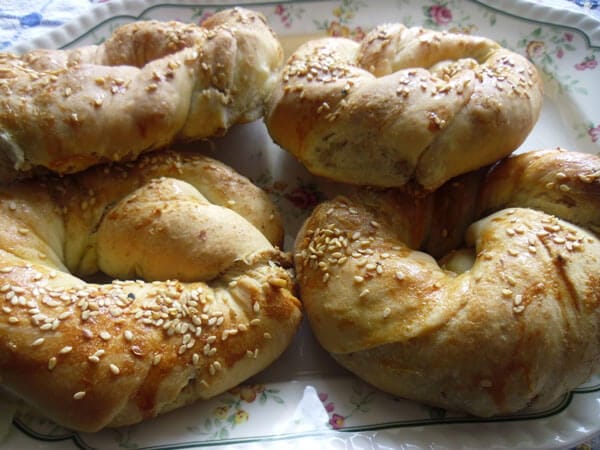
{"type": "Point", "coordinates": [406, 104]}
{"type": "Point", "coordinates": [510, 320]}
{"type": "Point", "coordinates": [215, 305]}
{"type": "Point", "coordinates": [148, 84]}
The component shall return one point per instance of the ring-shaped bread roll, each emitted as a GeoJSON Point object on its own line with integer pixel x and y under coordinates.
{"type": "Point", "coordinates": [404, 104]}
{"type": "Point", "coordinates": [148, 84]}
{"type": "Point", "coordinates": [215, 306]}
{"type": "Point", "coordinates": [509, 321]}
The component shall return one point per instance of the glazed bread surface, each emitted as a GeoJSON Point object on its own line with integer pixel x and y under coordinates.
{"type": "Point", "coordinates": [148, 84]}
{"type": "Point", "coordinates": [481, 297]}
{"type": "Point", "coordinates": [200, 298]}
{"type": "Point", "coordinates": [403, 105]}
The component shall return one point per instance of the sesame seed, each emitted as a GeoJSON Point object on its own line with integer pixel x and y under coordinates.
{"type": "Point", "coordinates": [399, 275]}
{"type": "Point", "coordinates": [386, 313]}
{"type": "Point", "coordinates": [256, 307]}
{"type": "Point", "coordinates": [64, 315]}
{"type": "Point", "coordinates": [93, 359]}
{"type": "Point", "coordinates": [564, 188]}
{"type": "Point", "coordinates": [519, 308]}
{"type": "Point", "coordinates": [156, 359]}
{"type": "Point", "coordinates": [115, 369]}
{"type": "Point", "coordinates": [506, 293]}
{"type": "Point", "coordinates": [128, 335]}
{"type": "Point", "coordinates": [66, 349]}
{"type": "Point", "coordinates": [52, 363]}
{"type": "Point", "coordinates": [364, 293]}
{"type": "Point", "coordinates": [79, 395]}
{"type": "Point", "coordinates": [105, 335]}
{"type": "Point", "coordinates": [37, 342]}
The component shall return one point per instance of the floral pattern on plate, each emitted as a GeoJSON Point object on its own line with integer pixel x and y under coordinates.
{"type": "Point", "coordinates": [315, 403]}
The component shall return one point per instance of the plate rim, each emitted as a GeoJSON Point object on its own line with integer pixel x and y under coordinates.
{"type": "Point", "coordinates": [68, 34]}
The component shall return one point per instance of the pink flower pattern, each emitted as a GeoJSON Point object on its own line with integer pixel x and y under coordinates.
{"type": "Point", "coordinates": [589, 62]}
{"type": "Point", "coordinates": [594, 133]}
{"type": "Point", "coordinates": [440, 14]}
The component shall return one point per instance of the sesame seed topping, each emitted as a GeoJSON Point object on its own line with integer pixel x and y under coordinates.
{"type": "Point", "coordinates": [115, 369]}
{"type": "Point", "coordinates": [386, 313]}
{"type": "Point", "coordinates": [79, 395]}
{"type": "Point", "coordinates": [66, 349]}
{"type": "Point", "coordinates": [105, 335]}
{"type": "Point", "coordinates": [52, 363]}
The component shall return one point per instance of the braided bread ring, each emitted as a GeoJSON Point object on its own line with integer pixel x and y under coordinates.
{"type": "Point", "coordinates": [513, 320]}
{"type": "Point", "coordinates": [406, 104]}
{"type": "Point", "coordinates": [148, 84]}
{"type": "Point", "coordinates": [92, 355]}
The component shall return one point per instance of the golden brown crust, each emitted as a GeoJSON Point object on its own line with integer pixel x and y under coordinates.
{"type": "Point", "coordinates": [147, 85]}
{"type": "Point", "coordinates": [216, 307]}
{"type": "Point", "coordinates": [512, 319]}
{"type": "Point", "coordinates": [404, 104]}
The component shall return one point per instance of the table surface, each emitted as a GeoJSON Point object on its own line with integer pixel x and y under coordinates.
{"type": "Point", "coordinates": [23, 20]}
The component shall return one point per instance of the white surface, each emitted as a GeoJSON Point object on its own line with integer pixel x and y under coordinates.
{"type": "Point", "coordinates": [301, 418]}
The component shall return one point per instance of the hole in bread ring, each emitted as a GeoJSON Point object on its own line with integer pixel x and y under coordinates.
{"type": "Point", "coordinates": [405, 104]}
{"type": "Point", "coordinates": [510, 321]}
{"type": "Point", "coordinates": [91, 355]}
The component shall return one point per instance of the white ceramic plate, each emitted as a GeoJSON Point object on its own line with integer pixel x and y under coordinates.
{"type": "Point", "coordinates": [303, 398]}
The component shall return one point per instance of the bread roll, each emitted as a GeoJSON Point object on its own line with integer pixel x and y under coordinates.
{"type": "Point", "coordinates": [512, 317]}
{"type": "Point", "coordinates": [148, 84]}
{"type": "Point", "coordinates": [201, 297]}
{"type": "Point", "coordinates": [404, 105]}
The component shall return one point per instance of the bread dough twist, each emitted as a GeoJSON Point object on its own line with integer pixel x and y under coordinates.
{"type": "Point", "coordinates": [511, 319]}
{"type": "Point", "coordinates": [148, 84]}
{"type": "Point", "coordinates": [406, 104]}
{"type": "Point", "coordinates": [215, 307]}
